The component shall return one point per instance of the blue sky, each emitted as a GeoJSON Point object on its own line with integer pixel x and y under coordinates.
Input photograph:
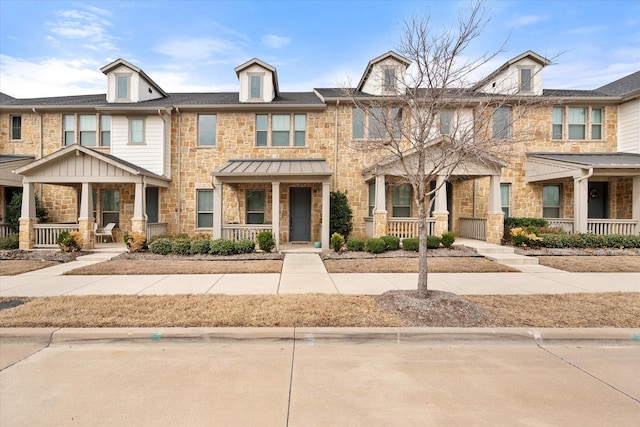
{"type": "Point", "coordinates": [50, 48]}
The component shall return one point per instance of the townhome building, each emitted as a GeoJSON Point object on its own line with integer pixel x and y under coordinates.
{"type": "Point", "coordinates": [233, 164]}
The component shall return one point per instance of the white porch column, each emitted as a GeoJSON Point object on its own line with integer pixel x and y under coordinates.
{"type": "Point", "coordinates": [495, 216]}
{"type": "Point", "coordinates": [139, 202]}
{"type": "Point", "coordinates": [495, 202]}
{"type": "Point", "coordinates": [381, 195]}
{"type": "Point", "coordinates": [217, 208]}
{"type": "Point", "coordinates": [440, 204]}
{"type": "Point", "coordinates": [275, 213]}
{"type": "Point", "coordinates": [28, 202]}
{"type": "Point", "coordinates": [86, 202]}
{"type": "Point", "coordinates": [580, 204]}
{"type": "Point", "coordinates": [326, 201]}
{"type": "Point", "coordinates": [635, 200]}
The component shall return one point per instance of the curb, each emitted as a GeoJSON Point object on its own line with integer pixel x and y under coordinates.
{"type": "Point", "coordinates": [310, 336]}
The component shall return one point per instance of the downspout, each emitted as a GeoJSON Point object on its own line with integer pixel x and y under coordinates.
{"type": "Point", "coordinates": [335, 153]}
{"type": "Point", "coordinates": [179, 171]}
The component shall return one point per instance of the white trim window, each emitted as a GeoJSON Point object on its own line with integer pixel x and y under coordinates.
{"type": "Point", "coordinates": [377, 123]}
{"type": "Point", "coordinates": [501, 123]}
{"type": "Point", "coordinates": [256, 87]}
{"type": "Point", "coordinates": [123, 87]}
{"type": "Point", "coordinates": [281, 130]}
{"type": "Point", "coordinates": [16, 128]}
{"type": "Point", "coordinates": [207, 130]}
{"type": "Point", "coordinates": [372, 198]}
{"type": "Point", "coordinates": [551, 201]}
{"type": "Point", "coordinates": [85, 126]}
{"type": "Point", "coordinates": [577, 123]}
{"type": "Point", "coordinates": [136, 131]}
{"type": "Point", "coordinates": [69, 129]}
{"type": "Point", "coordinates": [255, 206]}
{"type": "Point", "coordinates": [525, 75]}
{"type": "Point", "coordinates": [445, 122]}
{"type": "Point", "coordinates": [105, 131]}
{"type": "Point", "coordinates": [111, 207]}
{"type": "Point", "coordinates": [401, 199]}
{"type": "Point", "coordinates": [204, 208]}
{"type": "Point", "coordinates": [505, 198]}
{"type": "Point", "coordinates": [389, 80]}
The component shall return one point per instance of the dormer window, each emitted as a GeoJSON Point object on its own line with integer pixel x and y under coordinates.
{"type": "Point", "coordinates": [389, 80]}
{"type": "Point", "coordinates": [255, 89]}
{"type": "Point", "coordinates": [122, 87]}
{"type": "Point", "coordinates": [526, 80]}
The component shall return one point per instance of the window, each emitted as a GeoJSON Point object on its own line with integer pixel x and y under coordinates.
{"type": "Point", "coordinates": [276, 130]}
{"type": "Point", "coordinates": [207, 130]}
{"type": "Point", "coordinates": [596, 123]}
{"type": "Point", "coordinates": [402, 201]}
{"type": "Point", "coordinates": [69, 129]}
{"type": "Point", "coordinates": [372, 197]}
{"type": "Point", "coordinates": [551, 201]}
{"type": "Point", "coordinates": [255, 206]}
{"type": "Point", "coordinates": [136, 131]}
{"type": "Point", "coordinates": [88, 132]}
{"type": "Point", "coordinates": [16, 127]}
{"type": "Point", "coordinates": [255, 87]}
{"type": "Point", "coordinates": [505, 198]}
{"type": "Point", "coordinates": [357, 123]}
{"type": "Point", "coordinates": [557, 120]}
{"type": "Point", "coordinates": [111, 207]}
{"type": "Point", "coordinates": [577, 123]}
{"type": "Point", "coordinates": [376, 123]}
{"type": "Point", "coordinates": [105, 131]}
{"type": "Point", "coordinates": [445, 122]}
{"type": "Point", "coordinates": [122, 87]}
{"type": "Point", "coordinates": [204, 208]}
{"type": "Point", "coordinates": [526, 83]}
{"type": "Point", "coordinates": [379, 123]}
{"type": "Point", "coordinates": [389, 80]}
{"type": "Point", "coordinates": [502, 123]}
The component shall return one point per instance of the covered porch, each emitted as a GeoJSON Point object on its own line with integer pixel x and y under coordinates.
{"type": "Point", "coordinates": [289, 197]}
{"type": "Point", "coordinates": [9, 184]}
{"type": "Point", "coordinates": [599, 192]}
{"type": "Point", "coordinates": [80, 172]}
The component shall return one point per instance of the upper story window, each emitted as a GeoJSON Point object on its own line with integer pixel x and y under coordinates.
{"type": "Point", "coordinates": [105, 131]}
{"type": "Point", "coordinates": [445, 122]}
{"type": "Point", "coordinates": [281, 130]}
{"type": "Point", "coordinates": [88, 133]}
{"type": "Point", "coordinates": [389, 84]}
{"type": "Point", "coordinates": [136, 131]}
{"type": "Point", "coordinates": [69, 129]}
{"type": "Point", "coordinates": [16, 128]}
{"type": "Point", "coordinates": [122, 87]}
{"type": "Point", "coordinates": [207, 129]}
{"type": "Point", "coordinates": [86, 127]}
{"type": "Point", "coordinates": [526, 80]}
{"type": "Point", "coordinates": [502, 123]}
{"type": "Point", "coordinates": [255, 86]}
{"type": "Point", "coordinates": [577, 123]}
{"type": "Point", "coordinates": [379, 123]}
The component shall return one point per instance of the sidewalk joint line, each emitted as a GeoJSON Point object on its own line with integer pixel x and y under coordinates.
{"type": "Point", "coordinates": [293, 356]}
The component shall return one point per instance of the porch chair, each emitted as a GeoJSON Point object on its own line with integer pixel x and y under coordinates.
{"type": "Point", "coordinates": [106, 231]}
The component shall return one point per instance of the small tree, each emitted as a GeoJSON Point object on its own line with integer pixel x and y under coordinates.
{"type": "Point", "coordinates": [341, 215]}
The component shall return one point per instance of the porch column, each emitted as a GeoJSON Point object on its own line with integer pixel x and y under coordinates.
{"type": "Point", "coordinates": [217, 208]}
{"type": "Point", "coordinates": [139, 220]}
{"type": "Point", "coordinates": [275, 213]}
{"type": "Point", "coordinates": [635, 200]}
{"type": "Point", "coordinates": [326, 202]}
{"type": "Point", "coordinates": [380, 208]}
{"type": "Point", "coordinates": [86, 219]}
{"type": "Point", "coordinates": [495, 215]}
{"type": "Point", "coordinates": [580, 204]}
{"type": "Point", "coordinates": [27, 217]}
{"type": "Point", "coordinates": [440, 212]}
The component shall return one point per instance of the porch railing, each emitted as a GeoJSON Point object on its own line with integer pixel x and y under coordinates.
{"type": "Point", "coordinates": [565, 223]}
{"type": "Point", "coordinates": [46, 234]}
{"type": "Point", "coordinates": [405, 228]}
{"type": "Point", "coordinates": [244, 231]}
{"type": "Point", "coordinates": [473, 228]}
{"type": "Point", "coordinates": [598, 226]}
{"type": "Point", "coordinates": [156, 229]}
{"type": "Point", "coordinates": [5, 230]}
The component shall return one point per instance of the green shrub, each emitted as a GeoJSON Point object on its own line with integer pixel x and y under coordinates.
{"type": "Point", "coordinates": [433, 242]}
{"type": "Point", "coordinates": [355, 244]}
{"type": "Point", "coordinates": [392, 243]}
{"type": "Point", "coordinates": [588, 240]}
{"type": "Point", "coordinates": [411, 244]}
{"type": "Point", "coordinates": [161, 245]}
{"type": "Point", "coordinates": [222, 247]}
{"type": "Point", "coordinates": [374, 245]}
{"type": "Point", "coordinates": [340, 214]}
{"type": "Point", "coordinates": [245, 246]}
{"type": "Point", "coordinates": [200, 246]}
{"type": "Point", "coordinates": [337, 241]}
{"type": "Point", "coordinates": [528, 236]}
{"type": "Point", "coordinates": [523, 222]}
{"type": "Point", "coordinates": [66, 241]}
{"type": "Point", "coordinates": [14, 211]}
{"type": "Point", "coordinates": [448, 238]}
{"type": "Point", "coordinates": [181, 246]}
{"type": "Point", "coordinates": [265, 241]}
{"type": "Point", "coordinates": [12, 241]}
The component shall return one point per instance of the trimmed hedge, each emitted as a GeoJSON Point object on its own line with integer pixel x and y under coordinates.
{"type": "Point", "coordinates": [181, 246]}
{"type": "Point", "coordinates": [355, 244]}
{"type": "Point", "coordinates": [337, 241]}
{"type": "Point", "coordinates": [200, 246]}
{"type": "Point", "coordinates": [523, 222]}
{"type": "Point", "coordinates": [588, 240]}
{"type": "Point", "coordinates": [448, 238]}
{"type": "Point", "coordinates": [374, 245]}
{"type": "Point", "coordinates": [222, 247]}
{"type": "Point", "coordinates": [433, 242]}
{"type": "Point", "coordinates": [411, 244]}
{"type": "Point", "coordinates": [161, 245]}
{"type": "Point", "coordinates": [245, 246]}
{"type": "Point", "coordinates": [265, 241]}
{"type": "Point", "coordinates": [392, 243]}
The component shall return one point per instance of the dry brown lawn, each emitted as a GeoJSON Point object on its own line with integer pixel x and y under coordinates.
{"type": "Point", "coordinates": [172, 266]}
{"type": "Point", "coordinates": [620, 310]}
{"type": "Point", "coordinates": [13, 267]}
{"type": "Point", "coordinates": [410, 265]}
{"type": "Point", "coordinates": [593, 264]}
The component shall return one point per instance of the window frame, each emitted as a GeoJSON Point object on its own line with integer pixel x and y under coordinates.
{"type": "Point", "coordinates": [547, 207]}
{"type": "Point", "coordinates": [525, 86]}
{"type": "Point", "coordinates": [389, 84]}
{"type": "Point", "coordinates": [296, 137]}
{"type": "Point", "coordinates": [395, 200]}
{"type": "Point", "coordinates": [86, 132]}
{"type": "Point", "coordinates": [588, 126]}
{"type": "Point", "coordinates": [200, 212]}
{"type": "Point", "coordinates": [131, 120]}
{"type": "Point", "coordinates": [363, 129]}
{"type": "Point", "coordinates": [200, 142]}
{"type": "Point", "coordinates": [250, 213]}
{"type": "Point", "coordinates": [127, 79]}
{"type": "Point", "coordinates": [372, 198]}
{"type": "Point", "coordinates": [444, 118]}
{"type": "Point", "coordinates": [506, 207]}
{"type": "Point", "coordinates": [75, 133]}
{"type": "Point", "coordinates": [104, 211]}
{"type": "Point", "coordinates": [15, 128]}
{"type": "Point", "coordinates": [259, 77]}
{"type": "Point", "coordinates": [68, 132]}
{"type": "Point", "coordinates": [504, 131]}
{"type": "Point", "coordinates": [104, 131]}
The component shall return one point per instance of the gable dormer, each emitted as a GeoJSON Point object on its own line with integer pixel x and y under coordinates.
{"type": "Point", "coordinates": [128, 83]}
{"type": "Point", "coordinates": [384, 75]}
{"type": "Point", "coordinates": [258, 81]}
{"type": "Point", "coordinates": [520, 75]}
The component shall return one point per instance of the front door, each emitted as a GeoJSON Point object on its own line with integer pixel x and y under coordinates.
{"type": "Point", "coordinates": [300, 214]}
{"type": "Point", "coordinates": [598, 199]}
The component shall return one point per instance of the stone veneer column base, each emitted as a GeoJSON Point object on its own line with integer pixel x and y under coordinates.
{"type": "Point", "coordinates": [139, 226]}
{"type": "Point", "coordinates": [27, 236]}
{"type": "Point", "coordinates": [441, 224]}
{"type": "Point", "coordinates": [85, 226]}
{"type": "Point", "coordinates": [495, 227]}
{"type": "Point", "coordinates": [379, 223]}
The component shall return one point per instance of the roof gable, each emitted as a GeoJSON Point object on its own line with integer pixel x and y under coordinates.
{"type": "Point", "coordinates": [497, 79]}
{"type": "Point", "coordinates": [376, 64]}
{"type": "Point", "coordinates": [270, 87]}
{"type": "Point", "coordinates": [141, 87]}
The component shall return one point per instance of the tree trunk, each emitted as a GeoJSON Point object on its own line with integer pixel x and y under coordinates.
{"type": "Point", "coordinates": [423, 269]}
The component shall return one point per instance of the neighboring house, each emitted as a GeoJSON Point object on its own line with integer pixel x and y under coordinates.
{"type": "Point", "coordinates": [234, 164]}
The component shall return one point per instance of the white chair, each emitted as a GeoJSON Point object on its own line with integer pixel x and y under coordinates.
{"type": "Point", "coordinates": [106, 231]}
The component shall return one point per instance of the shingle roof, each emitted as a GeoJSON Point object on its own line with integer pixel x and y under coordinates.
{"type": "Point", "coordinates": [6, 158]}
{"type": "Point", "coordinates": [593, 159]}
{"type": "Point", "coordinates": [571, 93]}
{"type": "Point", "coordinates": [622, 86]}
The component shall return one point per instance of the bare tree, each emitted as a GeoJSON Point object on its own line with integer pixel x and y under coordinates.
{"type": "Point", "coordinates": [434, 122]}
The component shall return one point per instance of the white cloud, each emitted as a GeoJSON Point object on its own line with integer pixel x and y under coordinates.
{"type": "Point", "coordinates": [84, 25]}
{"type": "Point", "coordinates": [275, 42]}
{"type": "Point", "coordinates": [198, 49]}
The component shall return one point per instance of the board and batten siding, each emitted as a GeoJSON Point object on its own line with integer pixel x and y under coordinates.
{"type": "Point", "coordinates": [629, 127]}
{"type": "Point", "coordinates": [151, 154]}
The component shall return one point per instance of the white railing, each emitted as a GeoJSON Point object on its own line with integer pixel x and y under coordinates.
{"type": "Point", "coordinates": [404, 228]}
{"type": "Point", "coordinates": [156, 229]}
{"type": "Point", "coordinates": [473, 228]}
{"type": "Point", "coordinates": [612, 226]}
{"type": "Point", "coordinates": [46, 234]}
{"type": "Point", "coordinates": [369, 227]}
{"type": "Point", "coordinates": [5, 230]}
{"type": "Point", "coordinates": [244, 231]}
{"type": "Point", "coordinates": [565, 223]}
